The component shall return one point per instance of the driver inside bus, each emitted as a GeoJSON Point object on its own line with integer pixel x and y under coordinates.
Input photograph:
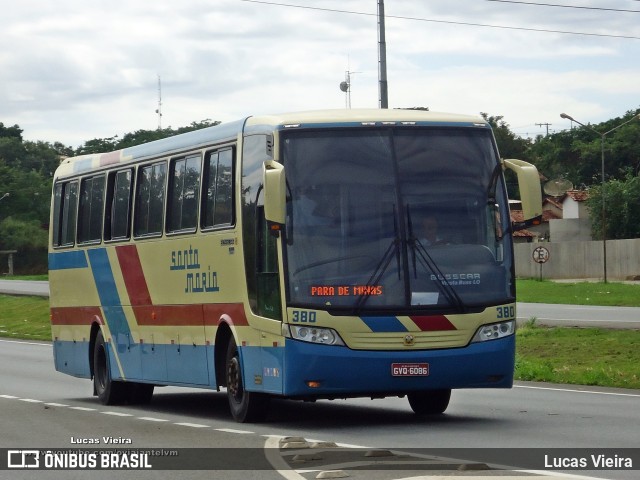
{"type": "Point", "coordinates": [429, 234]}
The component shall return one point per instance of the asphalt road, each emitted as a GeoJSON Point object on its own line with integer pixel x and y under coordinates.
{"type": "Point", "coordinates": [40, 408]}
{"type": "Point", "coordinates": [579, 315]}
{"type": "Point", "coordinates": [25, 287]}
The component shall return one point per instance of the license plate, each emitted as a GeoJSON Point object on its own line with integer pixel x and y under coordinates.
{"type": "Point", "coordinates": [409, 369]}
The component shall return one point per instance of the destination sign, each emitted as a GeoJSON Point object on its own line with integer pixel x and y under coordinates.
{"type": "Point", "coordinates": [345, 290]}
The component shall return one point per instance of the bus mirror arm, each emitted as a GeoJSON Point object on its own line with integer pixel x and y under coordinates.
{"type": "Point", "coordinates": [274, 192]}
{"type": "Point", "coordinates": [530, 192]}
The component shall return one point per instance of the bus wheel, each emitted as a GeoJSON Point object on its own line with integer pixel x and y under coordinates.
{"type": "Point", "coordinates": [245, 406]}
{"type": "Point", "coordinates": [433, 402]}
{"type": "Point", "coordinates": [109, 392]}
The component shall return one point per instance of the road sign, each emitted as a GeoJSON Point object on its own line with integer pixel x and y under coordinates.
{"type": "Point", "coordinates": [540, 255]}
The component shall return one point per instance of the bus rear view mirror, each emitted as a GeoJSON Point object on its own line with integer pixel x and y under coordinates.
{"type": "Point", "coordinates": [274, 192]}
{"type": "Point", "coordinates": [530, 194]}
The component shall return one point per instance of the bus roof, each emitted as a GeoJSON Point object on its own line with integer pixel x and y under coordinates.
{"type": "Point", "coordinates": [229, 131]}
{"type": "Point", "coordinates": [364, 116]}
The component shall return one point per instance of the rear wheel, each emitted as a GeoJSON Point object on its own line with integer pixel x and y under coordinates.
{"type": "Point", "coordinates": [433, 402]}
{"type": "Point", "coordinates": [245, 406]}
{"type": "Point", "coordinates": [109, 392]}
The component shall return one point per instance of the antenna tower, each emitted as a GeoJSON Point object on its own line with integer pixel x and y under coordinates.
{"type": "Point", "coordinates": [159, 109]}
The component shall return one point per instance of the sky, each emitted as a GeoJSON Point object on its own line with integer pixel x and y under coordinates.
{"type": "Point", "coordinates": [76, 70]}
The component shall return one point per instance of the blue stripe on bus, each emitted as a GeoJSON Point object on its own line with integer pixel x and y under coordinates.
{"type": "Point", "coordinates": [83, 165]}
{"type": "Point", "coordinates": [384, 324]}
{"type": "Point", "coordinates": [66, 260]}
{"type": "Point", "coordinates": [108, 293]}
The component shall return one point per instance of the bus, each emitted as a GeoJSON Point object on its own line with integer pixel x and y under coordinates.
{"type": "Point", "coordinates": [314, 255]}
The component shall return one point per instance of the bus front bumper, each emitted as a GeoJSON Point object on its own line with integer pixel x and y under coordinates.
{"type": "Point", "coordinates": [321, 371]}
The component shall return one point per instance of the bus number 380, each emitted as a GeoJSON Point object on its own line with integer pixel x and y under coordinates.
{"type": "Point", "coordinates": [304, 316]}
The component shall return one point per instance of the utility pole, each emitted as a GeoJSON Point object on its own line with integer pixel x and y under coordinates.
{"type": "Point", "coordinates": [382, 57]}
{"type": "Point", "coordinates": [544, 125]}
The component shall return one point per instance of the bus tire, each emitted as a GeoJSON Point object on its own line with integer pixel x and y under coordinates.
{"type": "Point", "coordinates": [109, 392]}
{"type": "Point", "coordinates": [245, 406]}
{"type": "Point", "coordinates": [432, 402]}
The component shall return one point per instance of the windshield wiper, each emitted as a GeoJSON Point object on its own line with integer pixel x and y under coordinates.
{"type": "Point", "coordinates": [418, 251]}
{"type": "Point", "coordinates": [381, 268]}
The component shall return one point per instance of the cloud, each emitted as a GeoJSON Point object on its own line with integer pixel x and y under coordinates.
{"type": "Point", "coordinates": [71, 70]}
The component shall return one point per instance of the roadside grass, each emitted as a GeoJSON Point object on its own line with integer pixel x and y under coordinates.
{"type": "Point", "coordinates": [582, 356]}
{"type": "Point", "coordinates": [581, 293]}
{"type": "Point", "coordinates": [24, 317]}
{"type": "Point", "coordinates": [43, 276]}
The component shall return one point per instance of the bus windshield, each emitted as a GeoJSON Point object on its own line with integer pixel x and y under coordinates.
{"type": "Point", "coordinates": [397, 219]}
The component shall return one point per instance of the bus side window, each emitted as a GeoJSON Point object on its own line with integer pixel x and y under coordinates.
{"type": "Point", "coordinates": [217, 201]}
{"type": "Point", "coordinates": [64, 215]}
{"type": "Point", "coordinates": [150, 199]}
{"type": "Point", "coordinates": [118, 209]}
{"type": "Point", "coordinates": [268, 279]}
{"type": "Point", "coordinates": [184, 191]}
{"type": "Point", "coordinates": [90, 210]}
{"type": "Point", "coordinates": [261, 257]}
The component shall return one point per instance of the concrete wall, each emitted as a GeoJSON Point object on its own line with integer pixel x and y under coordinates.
{"type": "Point", "coordinates": [580, 260]}
{"type": "Point", "coordinates": [570, 230]}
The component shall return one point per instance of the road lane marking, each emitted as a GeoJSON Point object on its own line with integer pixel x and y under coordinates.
{"type": "Point", "coordinates": [30, 400]}
{"type": "Point", "coordinates": [118, 414]}
{"type": "Point", "coordinates": [53, 404]}
{"type": "Point", "coordinates": [232, 430]}
{"type": "Point", "coordinates": [152, 419]}
{"type": "Point", "coordinates": [571, 390]}
{"type": "Point", "coordinates": [7, 396]}
{"type": "Point", "coordinates": [27, 343]}
{"type": "Point", "coordinates": [193, 425]}
{"type": "Point", "coordinates": [84, 409]}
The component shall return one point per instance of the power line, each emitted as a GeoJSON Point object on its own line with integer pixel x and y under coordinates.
{"type": "Point", "coordinates": [448, 22]}
{"type": "Point", "coordinates": [566, 6]}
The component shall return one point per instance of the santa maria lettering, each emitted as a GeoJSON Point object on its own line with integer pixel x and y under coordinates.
{"type": "Point", "coordinates": [197, 279]}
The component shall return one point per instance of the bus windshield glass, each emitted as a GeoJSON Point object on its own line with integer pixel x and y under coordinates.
{"type": "Point", "coordinates": [398, 219]}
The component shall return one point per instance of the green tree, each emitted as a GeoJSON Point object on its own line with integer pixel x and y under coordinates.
{"type": "Point", "coordinates": [576, 154]}
{"type": "Point", "coordinates": [22, 234]}
{"type": "Point", "coordinates": [622, 208]}
{"type": "Point", "coordinates": [509, 144]}
{"type": "Point", "coordinates": [103, 145]}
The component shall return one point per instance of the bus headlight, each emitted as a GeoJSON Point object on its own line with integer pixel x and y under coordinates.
{"type": "Point", "coordinates": [494, 331]}
{"type": "Point", "coordinates": [325, 336]}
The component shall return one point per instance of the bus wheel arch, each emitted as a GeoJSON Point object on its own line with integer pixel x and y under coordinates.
{"type": "Point", "coordinates": [245, 406]}
{"type": "Point", "coordinates": [108, 391]}
{"type": "Point", "coordinates": [95, 328]}
{"type": "Point", "coordinates": [221, 343]}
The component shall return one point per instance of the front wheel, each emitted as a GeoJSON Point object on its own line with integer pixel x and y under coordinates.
{"type": "Point", "coordinates": [432, 402]}
{"type": "Point", "coordinates": [245, 406]}
{"type": "Point", "coordinates": [109, 392]}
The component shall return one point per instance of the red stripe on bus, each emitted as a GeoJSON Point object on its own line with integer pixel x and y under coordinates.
{"type": "Point", "coordinates": [133, 275]}
{"type": "Point", "coordinates": [233, 313]}
{"type": "Point", "coordinates": [160, 315]}
{"type": "Point", "coordinates": [169, 315]}
{"type": "Point", "coordinates": [433, 323]}
{"type": "Point", "coordinates": [109, 158]}
{"type": "Point", "coordinates": [75, 315]}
